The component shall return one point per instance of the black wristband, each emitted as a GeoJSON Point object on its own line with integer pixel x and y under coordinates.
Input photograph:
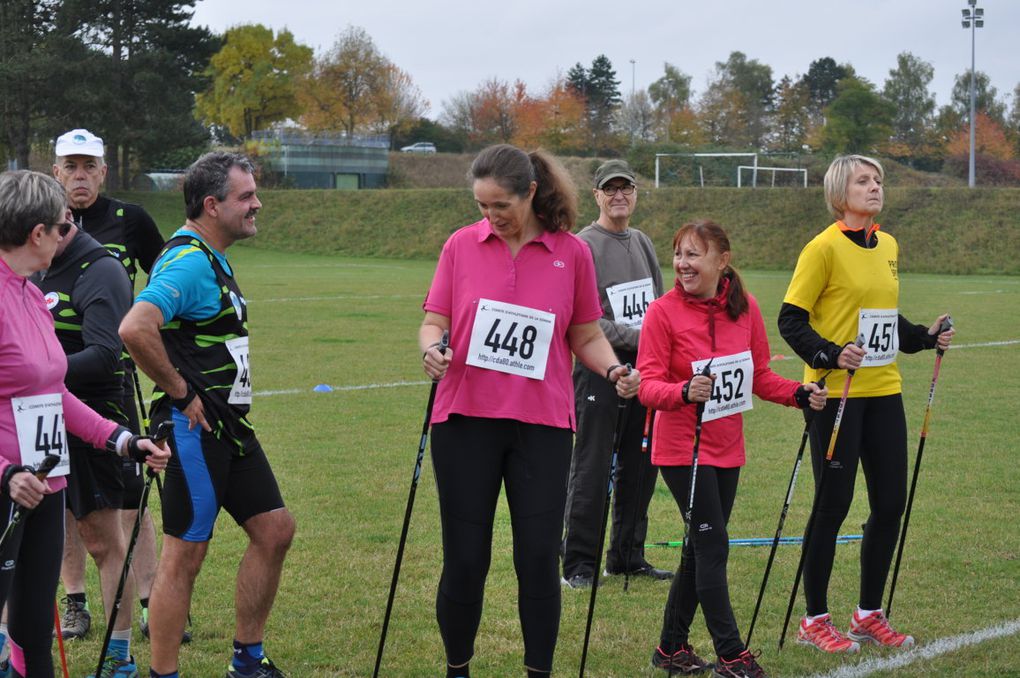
{"type": "Point", "coordinates": [182, 403]}
{"type": "Point", "coordinates": [111, 442]}
{"type": "Point", "coordinates": [134, 451]}
{"type": "Point", "coordinates": [610, 371]}
{"type": "Point", "coordinates": [686, 389]}
{"type": "Point", "coordinates": [803, 397]}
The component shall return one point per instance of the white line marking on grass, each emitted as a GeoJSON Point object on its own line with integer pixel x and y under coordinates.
{"type": "Point", "coordinates": [336, 265]}
{"type": "Point", "coordinates": [924, 652]}
{"type": "Point", "coordinates": [355, 387]}
{"type": "Point", "coordinates": [984, 292]}
{"type": "Point", "coordinates": [340, 297]}
{"type": "Point", "coordinates": [986, 344]}
{"type": "Point", "coordinates": [398, 384]}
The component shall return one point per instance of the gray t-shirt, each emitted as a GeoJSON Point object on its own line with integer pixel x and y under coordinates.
{"type": "Point", "coordinates": [621, 258]}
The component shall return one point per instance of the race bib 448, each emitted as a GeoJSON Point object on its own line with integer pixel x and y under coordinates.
{"type": "Point", "coordinates": [510, 338]}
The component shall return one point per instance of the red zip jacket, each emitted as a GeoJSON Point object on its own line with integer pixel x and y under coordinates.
{"type": "Point", "coordinates": [679, 329]}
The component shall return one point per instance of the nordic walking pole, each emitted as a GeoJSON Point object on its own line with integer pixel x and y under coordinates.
{"type": "Point", "coordinates": [18, 511]}
{"type": "Point", "coordinates": [946, 325]}
{"type": "Point", "coordinates": [645, 437]}
{"type": "Point", "coordinates": [782, 516]}
{"type": "Point", "coordinates": [818, 495]}
{"type": "Point", "coordinates": [60, 638]}
{"type": "Point", "coordinates": [699, 416]}
{"type": "Point", "coordinates": [163, 432]}
{"type": "Point", "coordinates": [444, 343]}
{"type": "Point", "coordinates": [621, 414]}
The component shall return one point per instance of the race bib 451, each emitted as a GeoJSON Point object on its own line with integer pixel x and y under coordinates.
{"type": "Point", "coordinates": [39, 421]}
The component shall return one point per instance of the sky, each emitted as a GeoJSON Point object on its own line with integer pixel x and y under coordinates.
{"type": "Point", "coordinates": [450, 46]}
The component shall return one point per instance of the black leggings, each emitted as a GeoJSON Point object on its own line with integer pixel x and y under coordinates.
{"type": "Point", "coordinates": [472, 457]}
{"type": "Point", "coordinates": [701, 577]}
{"type": "Point", "coordinates": [874, 431]}
{"type": "Point", "coordinates": [29, 584]}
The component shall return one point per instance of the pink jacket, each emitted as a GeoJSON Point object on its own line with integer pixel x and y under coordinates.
{"type": "Point", "coordinates": [677, 330]}
{"type": "Point", "coordinates": [33, 363]}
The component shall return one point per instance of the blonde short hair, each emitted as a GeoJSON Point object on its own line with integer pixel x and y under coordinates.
{"type": "Point", "coordinates": [837, 180]}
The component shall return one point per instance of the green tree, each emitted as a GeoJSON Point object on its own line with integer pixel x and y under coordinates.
{"type": "Point", "coordinates": [670, 94]}
{"type": "Point", "coordinates": [791, 119]}
{"type": "Point", "coordinates": [735, 107]}
{"type": "Point", "coordinates": [858, 118]}
{"type": "Point", "coordinates": [1013, 122]}
{"type": "Point", "coordinates": [355, 88]}
{"type": "Point", "coordinates": [821, 80]}
{"type": "Point", "coordinates": [148, 62]}
{"type": "Point", "coordinates": [986, 97]}
{"type": "Point", "coordinates": [254, 79]}
{"type": "Point", "coordinates": [35, 37]}
{"type": "Point", "coordinates": [600, 90]}
{"type": "Point", "coordinates": [913, 104]}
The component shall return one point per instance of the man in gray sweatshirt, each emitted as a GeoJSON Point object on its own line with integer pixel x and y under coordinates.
{"type": "Point", "coordinates": [629, 279]}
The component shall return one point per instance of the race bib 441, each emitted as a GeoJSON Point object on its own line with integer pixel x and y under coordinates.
{"type": "Point", "coordinates": [39, 421]}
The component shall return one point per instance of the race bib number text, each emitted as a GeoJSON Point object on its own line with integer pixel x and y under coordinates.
{"type": "Point", "coordinates": [510, 338]}
{"type": "Point", "coordinates": [39, 421]}
{"type": "Point", "coordinates": [630, 300]}
{"type": "Point", "coordinates": [881, 338]}
{"type": "Point", "coordinates": [240, 392]}
{"type": "Point", "coordinates": [731, 390]}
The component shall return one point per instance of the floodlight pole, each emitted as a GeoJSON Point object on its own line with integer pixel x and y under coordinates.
{"type": "Point", "coordinates": [633, 72]}
{"type": "Point", "coordinates": [973, 19]}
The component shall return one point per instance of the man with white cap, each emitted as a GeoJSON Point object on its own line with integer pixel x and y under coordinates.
{"type": "Point", "coordinates": [131, 235]}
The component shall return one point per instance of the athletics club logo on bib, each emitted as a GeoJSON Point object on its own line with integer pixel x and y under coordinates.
{"type": "Point", "coordinates": [510, 338]}
{"type": "Point", "coordinates": [52, 299]}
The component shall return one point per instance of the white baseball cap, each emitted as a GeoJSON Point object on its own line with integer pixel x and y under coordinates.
{"type": "Point", "coordinates": [79, 142]}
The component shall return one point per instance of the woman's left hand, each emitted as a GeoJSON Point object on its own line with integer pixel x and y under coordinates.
{"type": "Point", "coordinates": [158, 455]}
{"type": "Point", "coordinates": [944, 338]}
{"type": "Point", "coordinates": [817, 396]}
{"type": "Point", "coordinates": [627, 381]}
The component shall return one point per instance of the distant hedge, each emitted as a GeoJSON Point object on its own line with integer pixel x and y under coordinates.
{"type": "Point", "coordinates": [940, 230]}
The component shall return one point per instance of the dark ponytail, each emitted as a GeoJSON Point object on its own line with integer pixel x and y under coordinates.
{"type": "Point", "coordinates": [711, 233]}
{"type": "Point", "coordinates": [555, 201]}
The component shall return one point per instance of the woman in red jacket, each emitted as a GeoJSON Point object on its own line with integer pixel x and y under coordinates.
{"type": "Point", "coordinates": [707, 315]}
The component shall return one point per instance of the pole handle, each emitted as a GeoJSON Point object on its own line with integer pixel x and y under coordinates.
{"type": "Point", "coordinates": [947, 324]}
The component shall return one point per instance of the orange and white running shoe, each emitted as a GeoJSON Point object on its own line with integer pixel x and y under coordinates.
{"type": "Point", "coordinates": [875, 629]}
{"type": "Point", "coordinates": [824, 635]}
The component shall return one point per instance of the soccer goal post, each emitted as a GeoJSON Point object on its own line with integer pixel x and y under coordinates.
{"type": "Point", "coordinates": [756, 168]}
{"type": "Point", "coordinates": [700, 166]}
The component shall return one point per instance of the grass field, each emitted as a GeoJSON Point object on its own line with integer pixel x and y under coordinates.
{"type": "Point", "coordinates": [344, 460]}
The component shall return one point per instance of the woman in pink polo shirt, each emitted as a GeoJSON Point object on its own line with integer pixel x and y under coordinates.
{"type": "Point", "coordinates": [517, 293]}
{"type": "Point", "coordinates": [35, 406]}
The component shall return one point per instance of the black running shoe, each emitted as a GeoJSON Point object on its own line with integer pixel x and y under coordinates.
{"type": "Point", "coordinates": [682, 662]}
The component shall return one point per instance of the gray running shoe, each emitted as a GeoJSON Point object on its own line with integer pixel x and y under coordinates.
{"type": "Point", "coordinates": [76, 621]}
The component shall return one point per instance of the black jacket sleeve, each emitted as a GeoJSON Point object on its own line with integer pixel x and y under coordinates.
{"type": "Point", "coordinates": [813, 349]}
{"type": "Point", "coordinates": [103, 296]}
{"type": "Point", "coordinates": [914, 338]}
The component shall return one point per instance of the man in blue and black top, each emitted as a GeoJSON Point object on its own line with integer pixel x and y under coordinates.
{"type": "Point", "coordinates": [188, 330]}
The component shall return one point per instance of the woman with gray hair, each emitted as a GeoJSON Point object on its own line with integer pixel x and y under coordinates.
{"type": "Point", "coordinates": [35, 406]}
{"type": "Point", "coordinates": [846, 284]}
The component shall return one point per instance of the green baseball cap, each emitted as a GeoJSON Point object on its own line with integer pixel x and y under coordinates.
{"type": "Point", "coordinates": [612, 169]}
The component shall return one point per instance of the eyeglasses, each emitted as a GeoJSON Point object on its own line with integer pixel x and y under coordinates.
{"type": "Point", "coordinates": [626, 190]}
{"type": "Point", "coordinates": [64, 228]}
